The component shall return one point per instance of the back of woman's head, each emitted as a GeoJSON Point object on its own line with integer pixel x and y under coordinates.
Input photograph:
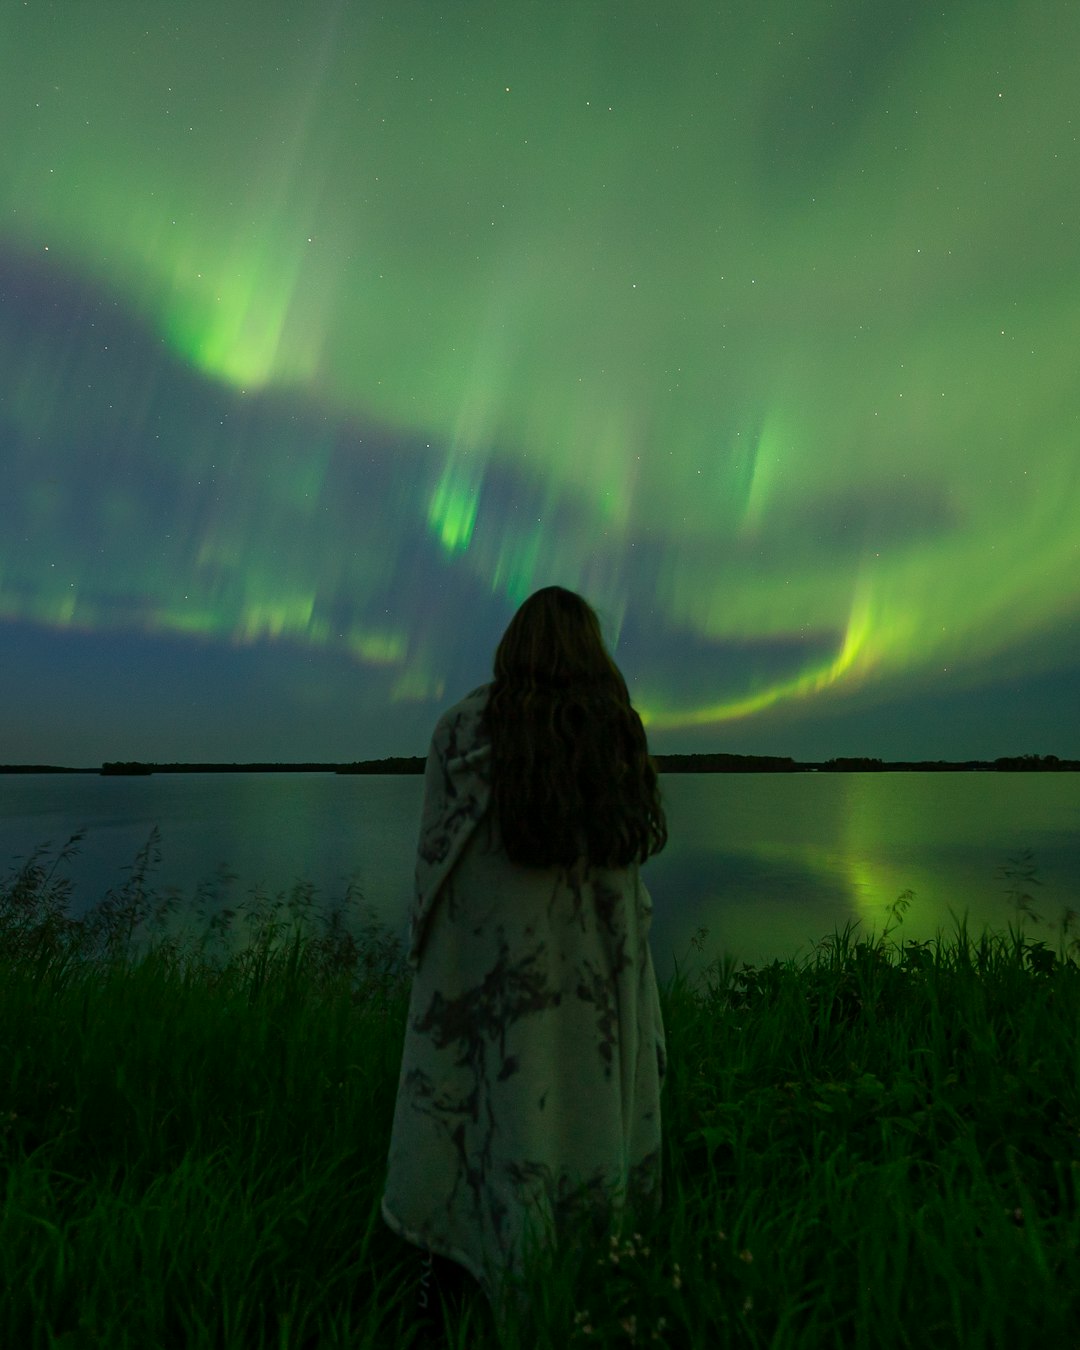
{"type": "Point", "coordinates": [571, 773]}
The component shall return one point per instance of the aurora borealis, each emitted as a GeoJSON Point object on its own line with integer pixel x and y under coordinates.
{"type": "Point", "coordinates": [328, 332]}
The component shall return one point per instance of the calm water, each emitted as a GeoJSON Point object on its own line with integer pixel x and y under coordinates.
{"type": "Point", "coordinates": [768, 863]}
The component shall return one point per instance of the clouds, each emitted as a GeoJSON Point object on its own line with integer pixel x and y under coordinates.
{"type": "Point", "coordinates": [757, 329]}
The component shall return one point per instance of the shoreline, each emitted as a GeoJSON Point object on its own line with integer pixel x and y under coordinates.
{"type": "Point", "coordinates": [692, 763]}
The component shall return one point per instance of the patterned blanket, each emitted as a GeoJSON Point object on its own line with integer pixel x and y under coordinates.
{"type": "Point", "coordinates": [528, 1106]}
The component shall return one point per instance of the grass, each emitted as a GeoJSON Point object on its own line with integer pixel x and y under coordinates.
{"type": "Point", "coordinates": [879, 1146]}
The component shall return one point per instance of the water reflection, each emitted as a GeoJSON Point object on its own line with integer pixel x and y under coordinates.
{"type": "Point", "coordinates": [817, 851]}
{"type": "Point", "coordinates": [768, 863]}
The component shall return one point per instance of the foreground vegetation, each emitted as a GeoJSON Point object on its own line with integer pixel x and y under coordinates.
{"type": "Point", "coordinates": [877, 1147]}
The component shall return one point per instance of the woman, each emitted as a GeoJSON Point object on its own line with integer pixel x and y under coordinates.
{"type": "Point", "coordinates": [529, 1095]}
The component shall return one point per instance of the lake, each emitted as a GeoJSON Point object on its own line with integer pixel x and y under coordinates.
{"type": "Point", "coordinates": [768, 863]}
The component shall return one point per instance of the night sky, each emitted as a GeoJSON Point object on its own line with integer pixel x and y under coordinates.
{"type": "Point", "coordinates": [330, 331]}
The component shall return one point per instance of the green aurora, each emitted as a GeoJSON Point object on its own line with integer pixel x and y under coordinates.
{"type": "Point", "coordinates": [756, 323]}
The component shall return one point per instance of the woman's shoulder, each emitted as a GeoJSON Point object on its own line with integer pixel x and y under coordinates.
{"type": "Point", "coordinates": [477, 697]}
{"type": "Point", "coordinates": [474, 702]}
{"type": "Point", "coordinates": [460, 725]}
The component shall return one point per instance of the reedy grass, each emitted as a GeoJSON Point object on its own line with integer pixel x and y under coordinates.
{"type": "Point", "coordinates": [879, 1146]}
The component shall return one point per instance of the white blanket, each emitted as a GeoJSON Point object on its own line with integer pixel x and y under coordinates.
{"type": "Point", "coordinates": [534, 1051]}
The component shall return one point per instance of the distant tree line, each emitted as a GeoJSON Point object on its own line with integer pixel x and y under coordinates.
{"type": "Point", "coordinates": [134, 766]}
{"type": "Point", "coordinates": [1004, 764]}
{"type": "Point", "coordinates": [395, 764]}
{"type": "Point", "coordinates": [1038, 763]}
{"type": "Point", "coordinates": [40, 768]}
{"type": "Point", "coordinates": [723, 763]}
{"type": "Point", "coordinates": [703, 763]}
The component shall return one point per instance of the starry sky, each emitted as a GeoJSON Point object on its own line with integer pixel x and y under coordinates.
{"type": "Point", "coordinates": [329, 332]}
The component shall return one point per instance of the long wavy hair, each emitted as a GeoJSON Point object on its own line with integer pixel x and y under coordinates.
{"type": "Point", "coordinates": [571, 771]}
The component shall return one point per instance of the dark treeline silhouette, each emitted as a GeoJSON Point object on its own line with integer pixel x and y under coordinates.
{"type": "Point", "coordinates": [134, 766]}
{"type": "Point", "coordinates": [1005, 764]}
{"type": "Point", "coordinates": [1036, 763]}
{"type": "Point", "coordinates": [41, 768]}
{"type": "Point", "coordinates": [701, 763]}
{"type": "Point", "coordinates": [723, 763]}
{"type": "Point", "coordinates": [395, 764]}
